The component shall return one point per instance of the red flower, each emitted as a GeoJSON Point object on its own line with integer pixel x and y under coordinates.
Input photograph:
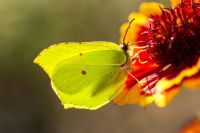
{"type": "Point", "coordinates": [164, 47]}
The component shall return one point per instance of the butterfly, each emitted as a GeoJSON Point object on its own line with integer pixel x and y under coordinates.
{"type": "Point", "coordinates": [85, 75]}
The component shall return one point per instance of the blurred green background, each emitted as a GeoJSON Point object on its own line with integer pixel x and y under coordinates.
{"type": "Point", "coordinates": [27, 102]}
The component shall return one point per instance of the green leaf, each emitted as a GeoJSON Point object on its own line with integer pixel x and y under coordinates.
{"type": "Point", "coordinates": [86, 75]}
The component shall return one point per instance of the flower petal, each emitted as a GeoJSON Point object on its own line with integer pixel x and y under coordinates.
{"type": "Point", "coordinates": [162, 99]}
{"type": "Point", "coordinates": [131, 35]}
{"type": "Point", "coordinates": [150, 8]}
{"type": "Point", "coordinates": [174, 3]}
{"type": "Point", "coordinates": [132, 96]}
{"type": "Point", "coordinates": [191, 127]}
{"type": "Point", "coordinates": [193, 82]}
{"type": "Point", "coordinates": [139, 21]}
{"type": "Point", "coordinates": [165, 84]}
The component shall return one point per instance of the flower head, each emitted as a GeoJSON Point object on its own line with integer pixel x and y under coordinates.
{"type": "Point", "coordinates": [191, 127]}
{"type": "Point", "coordinates": [164, 48]}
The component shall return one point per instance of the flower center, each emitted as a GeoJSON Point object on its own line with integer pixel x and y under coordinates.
{"type": "Point", "coordinates": [174, 36]}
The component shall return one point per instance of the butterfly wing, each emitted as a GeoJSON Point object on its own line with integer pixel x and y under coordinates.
{"type": "Point", "coordinates": [86, 75]}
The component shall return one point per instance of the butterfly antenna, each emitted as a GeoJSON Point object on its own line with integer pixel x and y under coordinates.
{"type": "Point", "coordinates": [126, 32]}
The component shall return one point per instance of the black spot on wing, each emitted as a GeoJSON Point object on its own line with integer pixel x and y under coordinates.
{"type": "Point", "coordinates": [83, 72]}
